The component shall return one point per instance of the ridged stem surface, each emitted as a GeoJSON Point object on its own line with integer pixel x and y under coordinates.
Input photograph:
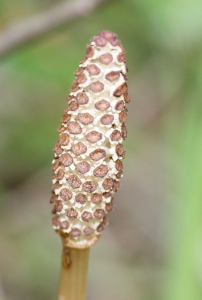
{"type": "Point", "coordinates": [73, 277]}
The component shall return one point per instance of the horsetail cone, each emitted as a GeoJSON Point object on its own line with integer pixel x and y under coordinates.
{"type": "Point", "coordinates": [88, 155]}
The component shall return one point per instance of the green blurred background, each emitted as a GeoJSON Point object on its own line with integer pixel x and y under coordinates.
{"type": "Point", "coordinates": [152, 247]}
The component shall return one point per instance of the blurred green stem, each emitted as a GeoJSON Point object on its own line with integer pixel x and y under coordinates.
{"type": "Point", "coordinates": [183, 282]}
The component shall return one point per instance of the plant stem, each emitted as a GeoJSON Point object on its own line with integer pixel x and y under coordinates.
{"type": "Point", "coordinates": [73, 277]}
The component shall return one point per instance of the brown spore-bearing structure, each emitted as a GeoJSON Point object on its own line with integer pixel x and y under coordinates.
{"type": "Point", "coordinates": [88, 155]}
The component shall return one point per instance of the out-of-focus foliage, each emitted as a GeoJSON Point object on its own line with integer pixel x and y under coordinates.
{"type": "Point", "coordinates": [152, 246]}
